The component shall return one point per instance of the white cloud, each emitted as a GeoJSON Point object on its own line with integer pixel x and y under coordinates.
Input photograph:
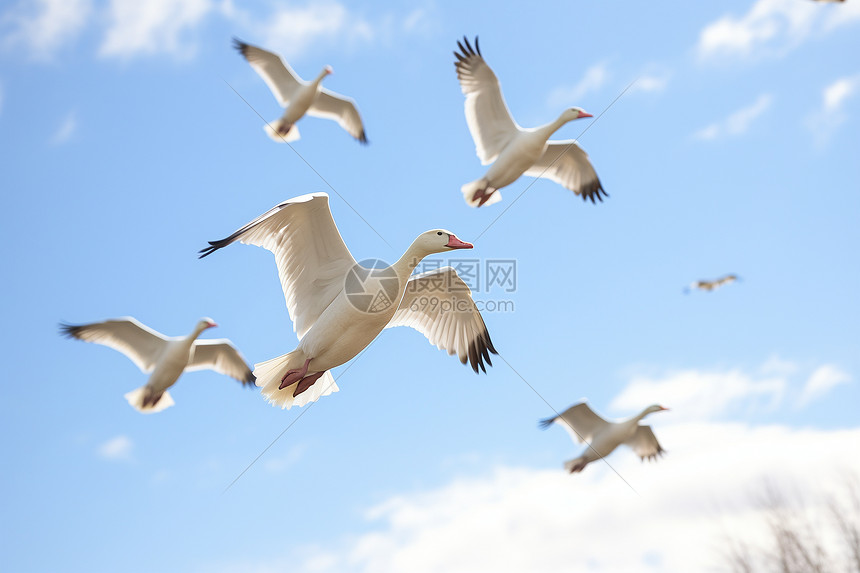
{"type": "Point", "coordinates": [595, 77]}
{"type": "Point", "coordinates": [45, 26]}
{"type": "Point", "coordinates": [290, 30]}
{"type": "Point", "coordinates": [824, 122]}
{"type": "Point", "coordinates": [281, 463]}
{"type": "Point", "coordinates": [152, 26]}
{"type": "Point", "coordinates": [66, 129]}
{"type": "Point", "coordinates": [701, 395]}
{"type": "Point", "coordinates": [523, 519]}
{"type": "Point", "coordinates": [651, 82]}
{"type": "Point", "coordinates": [772, 27]}
{"type": "Point", "coordinates": [737, 123]}
{"type": "Point", "coordinates": [823, 380]}
{"type": "Point", "coordinates": [117, 449]}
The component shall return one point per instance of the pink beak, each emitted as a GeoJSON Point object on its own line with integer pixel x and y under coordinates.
{"type": "Point", "coordinates": [584, 114]}
{"type": "Point", "coordinates": [455, 243]}
{"type": "Point", "coordinates": [663, 408]}
{"type": "Point", "coordinates": [212, 325]}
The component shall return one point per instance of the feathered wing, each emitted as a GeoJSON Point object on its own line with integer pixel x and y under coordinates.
{"type": "Point", "coordinates": [566, 163]}
{"type": "Point", "coordinates": [329, 105]}
{"type": "Point", "coordinates": [141, 344]}
{"type": "Point", "coordinates": [439, 305]}
{"type": "Point", "coordinates": [645, 443]}
{"type": "Point", "coordinates": [487, 115]}
{"type": "Point", "coordinates": [580, 421]}
{"type": "Point", "coordinates": [277, 73]}
{"type": "Point", "coordinates": [221, 356]}
{"type": "Point", "coordinates": [311, 256]}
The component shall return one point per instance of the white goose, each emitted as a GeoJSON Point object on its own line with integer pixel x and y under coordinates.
{"type": "Point", "coordinates": [603, 437]}
{"type": "Point", "coordinates": [712, 285]}
{"type": "Point", "coordinates": [338, 306]}
{"type": "Point", "coordinates": [167, 357]}
{"type": "Point", "coordinates": [300, 97]}
{"type": "Point", "coordinates": [516, 150]}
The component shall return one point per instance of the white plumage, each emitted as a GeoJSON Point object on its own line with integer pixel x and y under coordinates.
{"type": "Point", "coordinates": [602, 436]}
{"type": "Point", "coordinates": [338, 307]}
{"type": "Point", "coordinates": [514, 150]}
{"type": "Point", "coordinates": [299, 97]}
{"type": "Point", "coordinates": [165, 357]}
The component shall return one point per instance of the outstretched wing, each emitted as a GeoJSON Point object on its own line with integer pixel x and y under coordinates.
{"type": "Point", "coordinates": [439, 305]}
{"type": "Point", "coordinates": [645, 443]}
{"type": "Point", "coordinates": [566, 163]}
{"type": "Point", "coordinates": [221, 356]}
{"type": "Point", "coordinates": [580, 421]}
{"type": "Point", "coordinates": [487, 115]}
{"type": "Point", "coordinates": [311, 256]}
{"type": "Point", "coordinates": [140, 343]}
{"type": "Point", "coordinates": [277, 73]}
{"type": "Point", "coordinates": [329, 105]}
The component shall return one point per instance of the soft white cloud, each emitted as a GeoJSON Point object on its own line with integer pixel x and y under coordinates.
{"type": "Point", "coordinates": [594, 79]}
{"type": "Point", "coordinates": [278, 464]}
{"type": "Point", "coordinates": [772, 27]}
{"type": "Point", "coordinates": [823, 380]}
{"type": "Point", "coordinates": [824, 122]}
{"type": "Point", "coordinates": [737, 123]}
{"type": "Point", "coordinates": [45, 26]}
{"type": "Point", "coordinates": [66, 129]}
{"type": "Point", "coordinates": [651, 82]}
{"type": "Point", "coordinates": [117, 449]}
{"type": "Point", "coordinates": [701, 395]}
{"type": "Point", "coordinates": [291, 30]}
{"type": "Point", "coordinates": [523, 519]}
{"type": "Point", "coordinates": [152, 26]}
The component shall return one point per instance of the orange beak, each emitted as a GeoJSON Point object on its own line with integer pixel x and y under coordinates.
{"type": "Point", "coordinates": [584, 114]}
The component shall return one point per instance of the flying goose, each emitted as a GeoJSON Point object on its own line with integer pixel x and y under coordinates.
{"type": "Point", "coordinates": [603, 437]}
{"type": "Point", "coordinates": [166, 357]}
{"type": "Point", "coordinates": [300, 97]}
{"type": "Point", "coordinates": [712, 285]}
{"type": "Point", "coordinates": [512, 149]}
{"type": "Point", "coordinates": [338, 306]}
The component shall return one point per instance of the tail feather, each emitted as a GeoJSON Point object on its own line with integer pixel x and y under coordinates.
{"type": "Point", "coordinates": [479, 190]}
{"type": "Point", "coordinates": [275, 131]}
{"type": "Point", "coordinates": [147, 402]}
{"type": "Point", "coordinates": [270, 373]}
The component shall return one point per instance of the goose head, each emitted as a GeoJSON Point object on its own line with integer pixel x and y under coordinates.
{"type": "Point", "coordinates": [205, 323]}
{"type": "Point", "coordinates": [438, 241]}
{"type": "Point", "coordinates": [652, 409]}
{"type": "Point", "coordinates": [574, 113]}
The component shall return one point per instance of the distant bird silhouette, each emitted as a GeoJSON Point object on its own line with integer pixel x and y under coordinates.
{"type": "Point", "coordinates": [711, 285]}
{"type": "Point", "coordinates": [512, 149]}
{"type": "Point", "coordinates": [167, 357]}
{"type": "Point", "coordinates": [300, 97]}
{"type": "Point", "coordinates": [584, 425]}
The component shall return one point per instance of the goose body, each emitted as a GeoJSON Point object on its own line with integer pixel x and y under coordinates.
{"type": "Point", "coordinates": [712, 285]}
{"type": "Point", "coordinates": [299, 97]}
{"type": "Point", "coordinates": [514, 150]}
{"type": "Point", "coordinates": [165, 358]}
{"type": "Point", "coordinates": [338, 306]}
{"type": "Point", "coordinates": [603, 436]}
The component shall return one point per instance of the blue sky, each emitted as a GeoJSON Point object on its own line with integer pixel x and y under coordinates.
{"type": "Point", "coordinates": [124, 150]}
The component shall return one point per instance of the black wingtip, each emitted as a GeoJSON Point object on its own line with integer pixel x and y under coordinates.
{"type": "Point", "coordinates": [239, 45]}
{"type": "Point", "coordinates": [363, 138]}
{"type": "Point", "coordinates": [546, 423]}
{"type": "Point", "coordinates": [69, 330]}
{"type": "Point", "coordinates": [213, 246]}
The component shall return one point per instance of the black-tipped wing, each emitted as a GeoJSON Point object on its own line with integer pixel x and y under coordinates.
{"type": "Point", "coordinates": [645, 444]}
{"type": "Point", "coordinates": [277, 73]}
{"type": "Point", "coordinates": [311, 256]}
{"type": "Point", "coordinates": [566, 163]}
{"type": "Point", "coordinates": [580, 421]}
{"type": "Point", "coordinates": [221, 356]}
{"type": "Point", "coordinates": [487, 114]}
{"type": "Point", "coordinates": [141, 344]}
{"type": "Point", "coordinates": [329, 105]}
{"type": "Point", "coordinates": [439, 305]}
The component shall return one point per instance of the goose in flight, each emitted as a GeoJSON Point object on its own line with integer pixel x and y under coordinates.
{"type": "Point", "coordinates": [166, 357]}
{"type": "Point", "coordinates": [300, 97]}
{"type": "Point", "coordinates": [512, 149]}
{"type": "Point", "coordinates": [712, 285]}
{"type": "Point", "coordinates": [603, 437]}
{"type": "Point", "coordinates": [339, 306]}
